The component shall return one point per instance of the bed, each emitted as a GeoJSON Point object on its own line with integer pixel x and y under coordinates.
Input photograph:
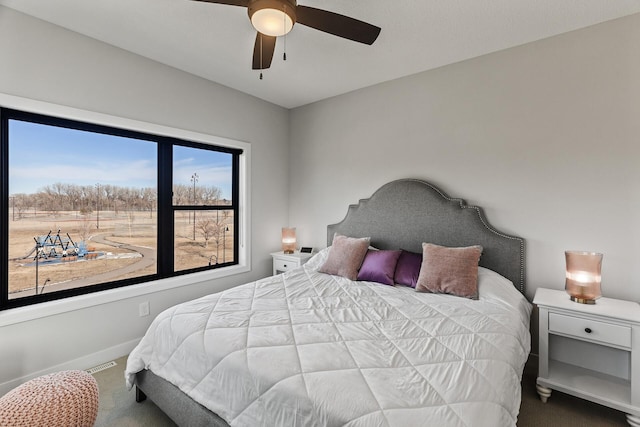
{"type": "Point", "coordinates": [306, 348]}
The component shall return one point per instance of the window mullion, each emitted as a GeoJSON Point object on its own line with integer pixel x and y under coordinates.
{"type": "Point", "coordinates": [4, 208]}
{"type": "Point", "coordinates": [165, 209]}
{"type": "Point", "coordinates": [235, 188]}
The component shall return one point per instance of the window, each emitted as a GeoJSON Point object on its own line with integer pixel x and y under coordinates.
{"type": "Point", "coordinates": [204, 223]}
{"type": "Point", "coordinates": [87, 207]}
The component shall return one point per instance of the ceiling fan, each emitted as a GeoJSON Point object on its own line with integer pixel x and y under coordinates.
{"type": "Point", "coordinates": [274, 18]}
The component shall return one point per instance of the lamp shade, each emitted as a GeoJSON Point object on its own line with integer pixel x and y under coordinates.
{"type": "Point", "coordinates": [583, 276]}
{"type": "Point", "coordinates": [272, 17]}
{"type": "Point", "coordinates": [288, 240]}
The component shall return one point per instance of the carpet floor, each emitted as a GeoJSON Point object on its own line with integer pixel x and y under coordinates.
{"type": "Point", "coordinates": [118, 407]}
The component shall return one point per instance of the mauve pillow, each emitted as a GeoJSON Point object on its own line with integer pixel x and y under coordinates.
{"type": "Point", "coordinates": [449, 270]}
{"type": "Point", "coordinates": [345, 256]}
{"type": "Point", "coordinates": [408, 268]}
{"type": "Point", "coordinates": [379, 266]}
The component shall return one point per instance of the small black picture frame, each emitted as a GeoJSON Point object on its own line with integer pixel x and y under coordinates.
{"type": "Point", "coordinates": [306, 250]}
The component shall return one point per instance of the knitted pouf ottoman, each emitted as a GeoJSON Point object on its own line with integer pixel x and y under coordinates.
{"type": "Point", "coordinates": [67, 398]}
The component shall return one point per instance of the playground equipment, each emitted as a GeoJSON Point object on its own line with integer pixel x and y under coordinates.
{"type": "Point", "coordinates": [57, 247]}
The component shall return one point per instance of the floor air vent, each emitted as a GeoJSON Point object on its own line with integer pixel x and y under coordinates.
{"type": "Point", "coordinates": [102, 367]}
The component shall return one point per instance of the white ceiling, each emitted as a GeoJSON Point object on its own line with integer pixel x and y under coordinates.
{"type": "Point", "coordinates": [216, 41]}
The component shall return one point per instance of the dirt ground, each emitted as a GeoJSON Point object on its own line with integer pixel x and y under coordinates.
{"type": "Point", "coordinates": [132, 229]}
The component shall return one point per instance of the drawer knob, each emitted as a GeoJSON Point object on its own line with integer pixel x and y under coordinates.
{"type": "Point", "coordinates": [587, 330]}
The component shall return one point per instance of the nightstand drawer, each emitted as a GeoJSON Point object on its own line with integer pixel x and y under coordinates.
{"type": "Point", "coordinates": [284, 262]}
{"type": "Point", "coordinates": [592, 330]}
{"type": "Point", "coordinates": [282, 265]}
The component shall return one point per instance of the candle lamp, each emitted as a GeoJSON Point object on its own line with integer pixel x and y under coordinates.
{"type": "Point", "coordinates": [288, 240]}
{"type": "Point", "coordinates": [583, 276]}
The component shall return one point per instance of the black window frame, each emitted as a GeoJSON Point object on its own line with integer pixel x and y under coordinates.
{"type": "Point", "coordinates": [165, 208]}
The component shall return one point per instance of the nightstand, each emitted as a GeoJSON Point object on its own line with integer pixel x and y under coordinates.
{"type": "Point", "coordinates": [590, 351]}
{"type": "Point", "coordinates": [283, 262]}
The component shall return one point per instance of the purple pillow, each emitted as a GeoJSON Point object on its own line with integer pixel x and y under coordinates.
{"type": "Point", "coordinates": [408, 268]}
{"type": "Point", "coordinates": [379, 266]}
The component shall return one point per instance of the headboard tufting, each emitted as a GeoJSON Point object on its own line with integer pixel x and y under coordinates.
{"type": "Point", "coordinates": [404, 213]}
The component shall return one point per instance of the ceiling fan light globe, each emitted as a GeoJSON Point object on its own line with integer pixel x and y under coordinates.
{"type": "Point", "coordinates": [271, 22]}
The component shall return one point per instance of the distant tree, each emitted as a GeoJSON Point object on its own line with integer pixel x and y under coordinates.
{"type": "Point", "coordinates": [220, 222]}
{"type": "Point", "coordinates": [109, 196]}
{"type": "Point", "coordinates": [207, 229]}
{"type": "Point", "coordinates": [21, 203]}
{"type": "Point", "coordinates": [84, 229]}
{"type": "Point", "coordinates": [149, 197]}
{"type": "Point", "coordinates": [182, 194]}
{"type": "Point", "coordinates": [131, 217]}
{"type": "Point", "coordinates": [210, 194]}
{"type": "Point", "coordinates": [59, 196]}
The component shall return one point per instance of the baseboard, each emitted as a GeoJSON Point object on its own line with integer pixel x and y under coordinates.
{"type": "Point", "coordinates": [84, 362]}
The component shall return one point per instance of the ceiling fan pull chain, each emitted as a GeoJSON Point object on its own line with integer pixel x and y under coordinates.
{"type": "Point", "coordinates": [260, 56]}
{"type": "Point", "coordinates": [284, 26]}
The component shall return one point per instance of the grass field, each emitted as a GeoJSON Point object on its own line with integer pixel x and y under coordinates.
{"type": "Point", "coordinates": [126, 241]}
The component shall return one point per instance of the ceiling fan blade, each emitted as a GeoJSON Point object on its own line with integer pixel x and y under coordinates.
{"type": "Point", "coordinates": [336, 24]}
{"type": "Point", "coordinates": [244, 3]}
{"type": "Point", "coordinates": [263, 52]}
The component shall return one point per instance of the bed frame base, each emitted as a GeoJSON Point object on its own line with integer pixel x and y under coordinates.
{"type": "Point", "coordinates": [183, 410]}
{"type": "Point", "coordinates": [140, 396]}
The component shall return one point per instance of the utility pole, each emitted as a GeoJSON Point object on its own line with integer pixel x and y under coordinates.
{"type": "Point", "coordinates": [224, 244]}
{"type": "Point", "coordinates": [194, 179]}
{"type": "Point", "coordinates": [98, 206]}
{"type": "Point", "coordinates": [38, 249]}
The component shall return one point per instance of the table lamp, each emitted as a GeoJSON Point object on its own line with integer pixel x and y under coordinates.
{"type": "Point", "coordinates": [288, 240]}
{"type": "Point", "coordinates": [583, 276]}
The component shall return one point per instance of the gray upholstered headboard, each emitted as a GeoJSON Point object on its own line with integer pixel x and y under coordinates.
{"type": "Point", "coordinates": [402, 214]}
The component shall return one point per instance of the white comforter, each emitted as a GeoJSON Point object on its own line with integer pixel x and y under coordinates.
{"type": "Point", "coordinates": [310, 349]}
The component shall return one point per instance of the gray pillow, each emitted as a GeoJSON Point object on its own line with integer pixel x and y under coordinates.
{"type": "Point", "coordinates": [345, 256]}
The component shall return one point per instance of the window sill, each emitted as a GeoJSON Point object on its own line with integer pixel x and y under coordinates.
{"type": "Point", "coordinates": [52, 308]}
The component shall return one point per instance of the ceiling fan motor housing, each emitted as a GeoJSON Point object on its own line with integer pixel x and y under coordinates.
{"type": "Point", "coordinates": [286, 6]}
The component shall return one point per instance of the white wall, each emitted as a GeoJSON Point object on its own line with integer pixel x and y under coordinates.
{"type": "Point", "coordinates": [545, 137]}
{"type": "Point", "coordinates": [47, 63]}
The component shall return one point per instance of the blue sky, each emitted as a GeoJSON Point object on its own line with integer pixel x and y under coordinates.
{"type": "Point", "coordinates": [213, 168]}
{"type": "Point", "coordinates": [41, 155]}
